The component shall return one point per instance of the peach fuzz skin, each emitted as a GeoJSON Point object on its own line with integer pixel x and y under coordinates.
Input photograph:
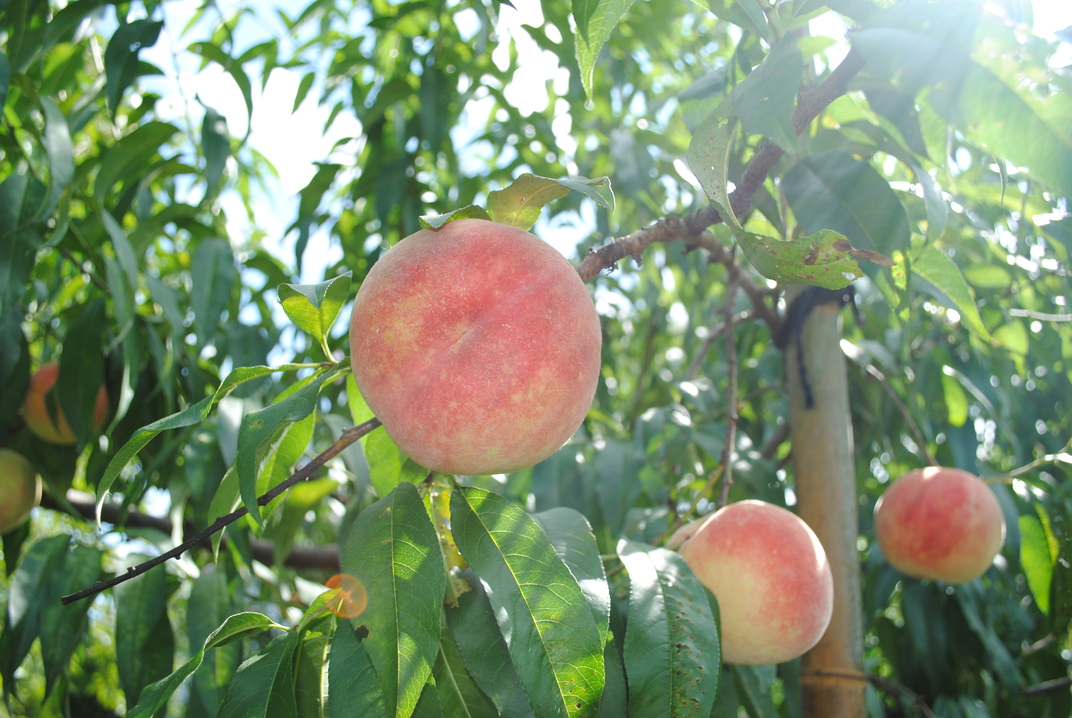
{"type": "Point", "coordinates": [770, 575]}
{"type": "Point", "coordinates": [20, 489]}
{"type": "Point", "coordinates": [477, 346]}
{"type": "Point", "coordinates": [35, 410]}
{"type": "Point", "coordinates": [940, 523]}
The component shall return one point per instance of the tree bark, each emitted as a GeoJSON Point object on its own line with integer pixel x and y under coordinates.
{"type": "Point", "coordinates": [826, 501]}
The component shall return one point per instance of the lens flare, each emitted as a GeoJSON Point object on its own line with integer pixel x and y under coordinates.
{"type": "Point", "coordinates": [350, 598]}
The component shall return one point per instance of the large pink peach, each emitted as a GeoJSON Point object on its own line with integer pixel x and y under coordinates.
{"type": "Point", "coordinates": [20, 489]}
{"type": "Point", "coordinates": [35, 409]}
{"type": "Point", "coordinates": [940, 523]}
{"type": "Point", "coordinates": [477, 346]}
{"type": "Point", "coordinates": [770, 575]}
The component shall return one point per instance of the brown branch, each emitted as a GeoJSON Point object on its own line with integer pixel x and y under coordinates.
{"type": "Point", "coordinates": [349, 436]}
{"type": "Point", "coordinates": [1048, 686]}
{"type": "Point", "coordinates": [886, 684]}
{"type": "Point", "coordinates": [876, 374]}
{"type": "Point", "coordinates": [715, 333]}
{"type": "Point", "coordinates": [731, 392]}
{"type": "Point", "coordinates": [316, 557]}
{"type": "Point", "coordinates": [810, 102]}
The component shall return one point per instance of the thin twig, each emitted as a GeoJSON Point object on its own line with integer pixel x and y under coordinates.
{"type": "Point", "coordinates": [1048, 686]}
{"type": "Point", "coordinates": [886, 684]}
{"type": "Point", "coordinates": [715, 333]}
{"type": "Point", "coordinates": [85, 506]}
{"type": "Point", "coordinates": [810, 102]}
{"type": "Point", "coordinates": [349, 436]}
{"type": "Point", "coordinates": [730, 446]}
{"type": "Point", "coordinates": [1061, 456]}
{"type": "Point", "coordinates": [912, 425]}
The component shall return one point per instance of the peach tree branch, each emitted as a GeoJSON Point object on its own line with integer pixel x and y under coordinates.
{"type": "Point", "coordinates": [691, 228]}
{"type": "Point", "coordinates": [349, 436]}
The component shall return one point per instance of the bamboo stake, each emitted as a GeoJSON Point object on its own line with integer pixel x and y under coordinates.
{"type": "Point", "coordinates": [826, 501]}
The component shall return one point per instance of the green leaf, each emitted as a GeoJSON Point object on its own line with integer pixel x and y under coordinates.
{"type": "Point", "coordinates": [832, 190]}
{"type": "Point", "coordinates": [124, 252]}
{"type": "Point", "coordinates": [60, 151]}
{"type": "Point", "coordinates": [121, 66]}
{"type": "Point", "coordinates": [233, 67]}
{"type": "Point", "coordinates": [234, 628]}
{"type": "Point", "coordinates": [597, 189]}
{"type": "Point", "coordinates": [573, 540]}
{"type": "Point", "coordinates": [520, 204]}
{"type": "Point", "coordinates": [216, 145]}
{"type": "Point", "coordinates": [193, 414]}
{"type": "Point", "coordinates": [983, 81]}
{"type": "Point", "coordinates": [21, 196]}
{"type": "Point", "coordinates": [764, 100]}
{"type": "Point", "coordinates": [470, 211]}
{"type": "Point", "coordinates": [824, 259]}
{"type": "Point", "coordinates": [428, 706]}
{"type": "Point", "coordinates": [314, 307]}
{"type": "Point", "coordinates": [754, 691]}
{"type": "Point", "coordinates": [29, 590]}
{"type": "Point", "coordinates": [618, 486]}
{"type": "Point", "coordinates": [458, 694]}
{"type": "Point", "coordinates": [144, 643]}
{"type": "Point", "coordinates": [259, 426]}
{"type": "Point", "coordinates": [213, 274]}
{"type": "Point", "coordinates": [939, 269]}
{"type": "Point", "coordinates": [301, 499]}
{"type": "Point", "coordinates": [1036, 560]}
{"type": "Point", "coordinates": [263, 686]}
{"type": "Point", "coordinates": [484, 651]}
{"type": "Point", "coordinates": [747, 14]}
{"type": "Point", "coordinates": [956, 401]}
{"type": "Point", "coordinates": [62, 626]}
{"type": "Point", "coordinates": [310, 681]}
{"type": "Point", "coordinates": [672, 651]}
{"type": "Point", "coordinates": [556, 649]}
{"type": "Point", "coordinates": [614, 701]}
{"type": "Point", "coordinates": [987, 276]}
{"type": "Point", "coordinates": [353, 686]}
{"type": "Point", "coordinates": [5, 78]}
{"type": "Point", "coordinates": [82, 369]}
{"type": "Point", "coordinates": [393, 550]}
{"type": "Point", "coordinates": [709, 156]}
{"type": "Point", "coordinates": [583, 10]}
{"type": "Point", "coordinates": [210, 605]}
{"type": "Point", "coordinates": [601, 22]}
{"type": "Point", "coordinates": [130, 157]}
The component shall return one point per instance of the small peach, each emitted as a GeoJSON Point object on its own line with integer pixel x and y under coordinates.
{"type": "Point", "coordinates": [940, 523]}
{"type": "Point", "coordinates": [36, 413]}
{"type": "Point", "coordinates": [770, 575]}
{"type": "Point", "coordinates": [20, 489]}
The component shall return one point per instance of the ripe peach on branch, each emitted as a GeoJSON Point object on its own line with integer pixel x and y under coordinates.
{"type": "Point", "coordinates": [770, 575]}
{"type": "Point", "coordinates": [477, 346]}
{"type": "Point", "coordinates": [20, 489]}
{"type": "Point", "coordinates": [940, 523]}
{"type": "Point", "coordinates": [35, 408]}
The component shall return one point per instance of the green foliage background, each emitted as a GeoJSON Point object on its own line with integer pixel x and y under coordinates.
{"type": "Point", "coordinates": [951, 155]}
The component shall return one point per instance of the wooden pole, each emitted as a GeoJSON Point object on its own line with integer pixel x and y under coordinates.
{"type": "Point", "coordinates": [826, 501]}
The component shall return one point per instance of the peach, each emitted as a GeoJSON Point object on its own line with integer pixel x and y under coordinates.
{"type": "Point", "coordinates": [477, 346]}
{"type": "Point", "coordinates": [940, 523]}
{"type": "Point", "coordinates": [770, 575]}
{"type": "Point", "coordinates": [20, 489]}
{"type": "Point", "coordinates": [36, 413]}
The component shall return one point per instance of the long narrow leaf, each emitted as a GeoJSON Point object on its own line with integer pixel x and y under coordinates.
{"type": "Point", "coordinates": [672, 652]}
{"type": "Point", "coordinates": [393, 550]}
{"type": "Point", "coordinates": [556, 649]}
